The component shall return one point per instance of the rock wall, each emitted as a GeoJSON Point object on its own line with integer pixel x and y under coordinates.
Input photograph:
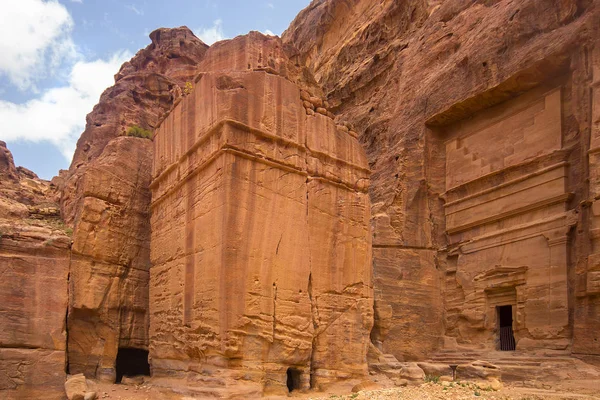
{"type": "Point", "coordinates": [481, 125]}
{"type": "Point", "coordinates": [34, 267]}
{"type": "Point", "coordinates": [508, 220]}
{"type": "Point", "coordinates": [108, 298]}
{"type": "Point", "coordinates": [586, 328]}
{"type": "Point", "coordinates": [106, 199]}
{"type": "Point", "coordinates": [415, 77]}
{"type": "Point", "coordinates": [260, 241]}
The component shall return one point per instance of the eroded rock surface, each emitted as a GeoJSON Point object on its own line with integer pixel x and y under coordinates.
{"type": "Point", "coordinates": [106, 200]}
{"type": "Point", "coordinates": [260, 241]}
{"type": "Point", "coordinates": [477, 118]}
{"type": "Point", "coordinates": [34, 267]}
{"type": "Point", "coordinates": [481, 125]}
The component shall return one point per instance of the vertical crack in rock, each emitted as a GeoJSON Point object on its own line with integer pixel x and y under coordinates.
{"type": "Point", "coordinates": [67, 321]}
{"type": "Point", "coordinates": [314, 313]}
{"type": "Point", "coordinates": [278, 243]}
{"type": "Point", "coordinates": [274, 311]}
{"type": "Point", "coordinates": [534, 168]}
{"type": "Point", "coordinates": [313, 302]}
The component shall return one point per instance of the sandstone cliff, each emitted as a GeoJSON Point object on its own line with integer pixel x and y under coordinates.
{"type": "Point", "coordinates": [252, 247]}
{"type": "Point", "coordinates": [34, 261]}
{"type": "Point", "coordinates": [411, 76]}
{"type": "Point", "coordinates": [106, 200]}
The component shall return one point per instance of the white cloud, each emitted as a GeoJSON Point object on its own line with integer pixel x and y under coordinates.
{"type": "Point", "coordinates": [58, 115]}
{"type": "Point", "coordinates": [134, 9]}
{"type": "Point", "coordinates": [212, 34]}
{"type": "Point", "coordinates": [268, 32]}
{"type": "Point", "coordinates": [36, 40]}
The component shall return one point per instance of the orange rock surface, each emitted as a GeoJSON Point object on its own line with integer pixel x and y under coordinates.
{"type": "Point", "coordinates": [260, 240]}
{"type": "Point", "coordinates": [389, 188]}
{"type": "Point", "coordinates": [34, 268]}
{"type": "Point", "coordinates": [106, 199]}
{"type": "Point", "coordinates": [477, 119]}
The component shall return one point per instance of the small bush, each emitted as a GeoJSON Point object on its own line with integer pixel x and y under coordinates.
{"type": "Point", "coordinates": [432, 378]}
{"type": "Point", "coordinates": [137, 131]}
{"type": "Point", "coordinates": [187, 89]}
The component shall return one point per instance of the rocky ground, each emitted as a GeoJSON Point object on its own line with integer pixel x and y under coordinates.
{"type": "Point", "coordinates": [430, 391]}
{"type": "Point", "coordinates": [425, 391]}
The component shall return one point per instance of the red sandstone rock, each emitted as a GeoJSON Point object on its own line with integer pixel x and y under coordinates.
{"type": "Point", "coordinates": [7, 165]}
{"type": "Point", "coordinates": [144, 88]}
{"type": "Point", "coordinates": [412, 76]}
{"type": "Point", "coordinates": [481, 123]}
{"type": "Point", "coordinates": [260, 241]}
{"type": "Point", "coordinates": [109, 266]}
{"type": "Point", "coordinates": [106, 199]}
{"type": "Point", "coordinates": [34, 266]}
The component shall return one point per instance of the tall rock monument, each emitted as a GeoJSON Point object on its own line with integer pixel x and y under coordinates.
{"type": "Point", "coordinates": [260, 245]}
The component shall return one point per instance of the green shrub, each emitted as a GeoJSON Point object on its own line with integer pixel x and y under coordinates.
{"type": "Point", "coordinates": [137, 131]}
{"type": "Point", "coordinates": [432, 378]}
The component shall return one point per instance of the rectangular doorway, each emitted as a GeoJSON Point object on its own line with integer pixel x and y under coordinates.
{"type": "Point", "coordinates": [505, 325]}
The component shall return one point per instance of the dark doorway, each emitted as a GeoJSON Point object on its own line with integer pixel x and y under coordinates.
{"type": "Point", "coordinates": [132, 362]}
{"type": "Point", "coordinates": [505, 322]}
{"type": "Point", "coordinates": [293, 379]}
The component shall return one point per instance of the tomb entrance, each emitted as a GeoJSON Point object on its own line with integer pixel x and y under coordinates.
{"type": "Point", "coordinates": [505, 328]}
{"type": "Point", "coordinates": [131, 362]}
{"type": "Point", "coordinates": [293, 379]}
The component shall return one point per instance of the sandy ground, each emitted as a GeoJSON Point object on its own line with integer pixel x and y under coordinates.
{"type": "Point", "coordinates": [465, 391]}
{"type": "Point", "coordinates": [578, 390]}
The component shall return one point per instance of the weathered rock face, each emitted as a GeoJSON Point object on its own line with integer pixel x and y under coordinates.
{"type": "Point", "coordinates": [507, 220]}
{"type": "Point", "coordinates": [34, 266]}
{"type": "Point", "coordinates": [108, 284]}
{"type": "Point", "coordinates": [586, 328]}
{"type": "Point", "coordinates": [477, 120]}
{"type": "Point", "coordinates": [8, 170]}
{"type": "Point", "coordinates": [481, 124]}
{"type": "Point", "coordinates": [106, 199]}
{"type": "Point", "coordinates": [260, 240]}
{"type": "Point", "coordinates": [145, 87]}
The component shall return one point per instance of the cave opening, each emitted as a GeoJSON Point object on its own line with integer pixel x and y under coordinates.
{"type": "Point", "coordinates": [293, 379]}
{"type": "Point", "coordinates": [131, 362]}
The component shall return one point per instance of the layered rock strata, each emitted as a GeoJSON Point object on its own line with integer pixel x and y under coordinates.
{"type": "Point", "coordinates": [586, 329]}
{"type": "Point", "coordinates": [260, 241]}
{"type": "Point", "coordinates": [478, 120]}
{"type": "Point", "coordinates": [481, 123]}
{"type": "Point", "coordinates": [34, 267]}
{"type": "Point", "coordinates": [106, 200]}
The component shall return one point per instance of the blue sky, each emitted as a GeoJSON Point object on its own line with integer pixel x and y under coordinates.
{"type": "Point", "coordinates": [57, 56]}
